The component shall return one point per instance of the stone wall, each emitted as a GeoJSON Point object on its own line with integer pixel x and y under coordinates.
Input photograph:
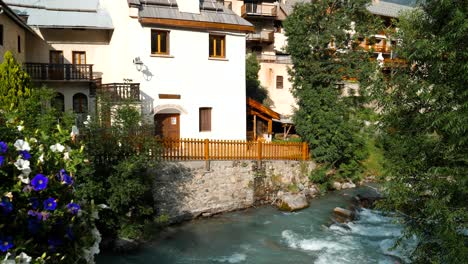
{"type": "Point", "coordinates": [185, 190]}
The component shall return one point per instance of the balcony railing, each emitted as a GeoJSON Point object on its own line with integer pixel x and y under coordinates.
{"type": "Point", "coordinates": [59, 72]}
{"type": "Point", "coordinates": [263, 36]}
{"type": "Point", "coordinates": [253, 9]}
{"type": "Point", "coordinates": [281, 59]}
{"type": "Point", "coordinates": [121, 91]}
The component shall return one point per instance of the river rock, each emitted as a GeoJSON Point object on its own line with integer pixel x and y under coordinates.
{"type": "Point", "coordinates": [337, 186]}
{"type": "Point", "coordinates": [343, 215]}
{"type": "Point", "coordinates": [292, 202]}
{"type": "Point", "coordinates": [126, 245]}
{"type": "Point", "coordinates": [348, 185]}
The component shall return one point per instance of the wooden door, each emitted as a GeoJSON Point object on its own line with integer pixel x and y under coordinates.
{"type": "Point", "coordinates": [79, 58]}
{"type": "Point", "coordinates": [167, 125]}
{"type": "Point", "coordinates": [56, 65]}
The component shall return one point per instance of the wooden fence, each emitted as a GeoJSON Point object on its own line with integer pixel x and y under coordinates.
{"type": "Point", "coordinates": [199, 149]}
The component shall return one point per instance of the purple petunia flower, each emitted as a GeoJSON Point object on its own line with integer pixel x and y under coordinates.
{"type": "Point", "coordinates": [2, 159]}
{"type": "Point", "coordinates": [6, 243]}
{"type": "Point", "coordinates": [3, 147]}
{"type": "Point", "coordinates": [39, 182]}
{"type": "Point", "coordinates": [25, 154]}
{"type": "Point", "coordinates": [39, 215]}
{"type": "Point", "coordinates": [50, 204]}
{"type": "Point", "coordinates": [64, 177]}
{"type": "Point", "coordinates": [6, 206]}
{"type": "Point", "coordinates": [73, 208]}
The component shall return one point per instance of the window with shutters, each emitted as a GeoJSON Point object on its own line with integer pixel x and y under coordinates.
{"type": "Point", "coordinates": [159, 42]}
{"type": "Point", "coordinates": [217, 46]}
{"type": "Point", "coordinates": [279, 82]}
{"type": "Point", "coordinates": [205, 119]}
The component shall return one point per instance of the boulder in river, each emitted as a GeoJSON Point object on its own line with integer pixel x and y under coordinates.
{"type": "Point", "coordinates": [292, 202]}
{"type": "Point", "coordinates": [343, 215]}
{"type": "Point", "coordinates": [337, 185]}
{"type": "Point", "coordinates": [348, 185]}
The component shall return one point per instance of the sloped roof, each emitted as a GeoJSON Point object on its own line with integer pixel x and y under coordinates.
{"type": "Point", "coordinates": [210, 11]}
{"type": "Point", "coordinates": [7, 10]}
{"type": "Point", "coordinates": [389, 8]}
{"type": "Point", "coordinates": [63, 13]}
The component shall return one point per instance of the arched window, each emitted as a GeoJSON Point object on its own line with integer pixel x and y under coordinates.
{"type": "Point", "coordinates": [80, 103]}
{"type": "Point", "coordinates": [58, 102]}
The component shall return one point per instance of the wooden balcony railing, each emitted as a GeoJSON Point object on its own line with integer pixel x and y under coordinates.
{"type": "Point", "coordinates": [121, 91]}
{"type": "Point", "coordinates": [205, 149]}
{"type": "Point", "coordinates": [59, 72]}
{"type": "Point", "coordinates": [253, 9]}
{"type": "Point", "coordinates": [267, 36]}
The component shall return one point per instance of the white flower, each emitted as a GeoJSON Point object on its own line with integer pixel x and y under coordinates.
{"type": "Point", "coordinates": [41, 158]}
{"type": "Point", "coordinates": [23, 258]}
{"type": "Point", "coordinates": [57, 148]}
{"type": "Point", "coordinates": [22, 164]}
{"type": "Point", "coordinates": [9, 195]}
{"type": "Point", "coordinates": [24, 178]}
{"type": "Point", "coordinates": [88, 254]}
{"type": "Point", "coordinates": [75, 132]}
{"type": "Point", "coordinates": [20, 128]}
{"type": "Point", "coordinates": [66, 156]}
{"type": "Point", "coordinates": [21, 145]}
{"type": "Point", "coordinates": [8, 261]}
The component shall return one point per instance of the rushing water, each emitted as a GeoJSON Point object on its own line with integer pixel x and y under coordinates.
{"type": "Point", "coordinates": [265, 235]}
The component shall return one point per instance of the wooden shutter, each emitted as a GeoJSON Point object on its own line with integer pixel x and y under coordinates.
{"type": "Point", "coordinates": [279, 82]}
{"type": "Point", "coordinates": [205, 119]}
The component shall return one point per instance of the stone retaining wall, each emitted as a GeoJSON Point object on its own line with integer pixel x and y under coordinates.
{"type": "Point", "coordinates": [185, 190]}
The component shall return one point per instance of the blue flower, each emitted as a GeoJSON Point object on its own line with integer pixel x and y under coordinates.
{"type": "Point", "coordinates": [6, 206]}
{"type": "Point", "coordinates": [6, 244]}
{"type": "Point", "coordinates": [34, 225]}
{"type": "Point", "coordinates": [64, 178]}
{"type": "Point", "coordinates": [50, 204]}
{"type": "Point", "coordinates": [73, 208]}
{"type": "Point", "coordinates": [25, 154]}
{"type": "Point", "coordinates": [54, 243]}
{"type": "Point", "coordinates": [1, 160]}
{"type": "Point", "coordinates": [34, 202]}
{"type": "Point", "coordinates": [39, 182]}
{"type": "Point", "coordinates": [39, 215]}
{"type": "Point", "coordinates": [3, 147]}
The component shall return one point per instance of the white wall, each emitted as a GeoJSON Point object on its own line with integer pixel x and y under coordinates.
{"type": "Point", "coordinates": [188, 72]}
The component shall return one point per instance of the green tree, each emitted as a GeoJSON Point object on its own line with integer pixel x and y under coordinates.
{"type": "Point", "coordinates": [15, 84]}
{"type": "Point", "coordinates": [425, 117]}
{"type": "Point", "coordinates": [254, 89]}
{"type": "Point", "coordinates": [322, 40]}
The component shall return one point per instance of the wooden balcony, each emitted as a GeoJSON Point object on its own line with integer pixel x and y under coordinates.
{"type": "Point", "coordinates": [120, 91]}
{"type": "Point", "coordinates": [265, 36]}
{"type": "Point", "coordinates": [259, 10]}
{"type": "Point", "coordinates": [59, 72]}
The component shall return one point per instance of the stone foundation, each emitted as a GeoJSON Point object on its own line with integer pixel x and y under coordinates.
{"type": "Point", "coordinates": [185, 190]}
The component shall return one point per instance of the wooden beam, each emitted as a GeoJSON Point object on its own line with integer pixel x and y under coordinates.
{"type": "Point", "coordinates": [254, 127]}
{"type": "Point", "coordinates": [195, 24]}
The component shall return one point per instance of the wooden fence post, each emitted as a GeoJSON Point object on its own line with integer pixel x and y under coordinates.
{"type": "Point", "coordinates": [207, 154]}
{"type": "Point", "coordinates": [259, 153]}
{"type": "Point", "coordinates": [305, 151]}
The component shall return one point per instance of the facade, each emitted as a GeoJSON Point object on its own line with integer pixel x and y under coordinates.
{"type": "Point", "coordinates": [183, 61]}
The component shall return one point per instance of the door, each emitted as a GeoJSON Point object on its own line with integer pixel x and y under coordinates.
{"type": "Point", "coordinates": [167, 125]}
{"type": "Point", "coordinates": [79, 70]}
{"type": "Point", "coordinates": [56, 65]}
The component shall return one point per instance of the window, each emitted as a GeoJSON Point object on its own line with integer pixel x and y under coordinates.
{"type": "Point", "coordinates": [159, 42]}
{"type": "Point", "coordinates": [217, 46]}
{"type": "Point", "coordinates": [79, 57]}
{"type": "Point", "coordinates": [58, 102]}
{"type": "Point", "coordinates": [80, 103]}
{"type": "Point", "coordinates": [205, 119]}
{"type": "Point", "coordinates": [19, 44]}
{"type": "Point", "coordinates": [279, 82]}
{"type": "Point", "coordinates": [1, 35]}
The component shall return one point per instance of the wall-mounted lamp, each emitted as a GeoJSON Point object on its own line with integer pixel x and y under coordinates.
{"type": "Point", "coordinates": [138, 63]}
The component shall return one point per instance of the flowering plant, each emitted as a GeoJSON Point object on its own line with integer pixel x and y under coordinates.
{"type": "Point", "coordinates": [40, 219]}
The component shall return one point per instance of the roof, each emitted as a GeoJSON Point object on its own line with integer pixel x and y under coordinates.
{"type": "Point", "coordinates": [211, 12]}
{"type": "Point", "coordinates": [63, 14]}
{"type": "Point", "coordinates": [388, 8]}
{"type": "Point", "coordinates": [261, 109]}
{"type": "Point", "coordinates": [9, 12]}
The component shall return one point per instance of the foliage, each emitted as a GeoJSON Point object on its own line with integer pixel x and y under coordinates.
{"type": "Point", "coordinates": [120, 156]}
{"type": "Point", "coordinates": [322, 40]}
{"type": "Point", "coordinates": [425, 120]}
{"type": "Point", "coordinates": [252, 84]}
{"type": "Point", "coordinates": [15, 84]}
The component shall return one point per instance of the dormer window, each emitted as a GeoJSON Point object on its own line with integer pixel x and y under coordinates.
{"type": "Point", "coordinates": [217, 46]}
{"type": "Point", "coordinates": [159, 42]}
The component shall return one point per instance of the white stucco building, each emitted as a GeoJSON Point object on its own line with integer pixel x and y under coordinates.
{"type": "Point", "coordinates": [183, 60]}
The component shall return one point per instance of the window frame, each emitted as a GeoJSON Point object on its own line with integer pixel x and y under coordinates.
{"type": "Point", "coordinates": [202, 127]}
{"type": "Point", "coordinates": [82, 103]}
{"type": "Point", "coordinates": [279, 79]}
{"type": "Point", "coordinates": [76, 52]}
{"type": "Point", "coordinates": [158, 44]}
{"type": "Point", "coordinates": [1, 35]}
{"type": "Point", "coordinates": [19, 44]}
{"type": "Point", "coordinates": [212, 41]}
